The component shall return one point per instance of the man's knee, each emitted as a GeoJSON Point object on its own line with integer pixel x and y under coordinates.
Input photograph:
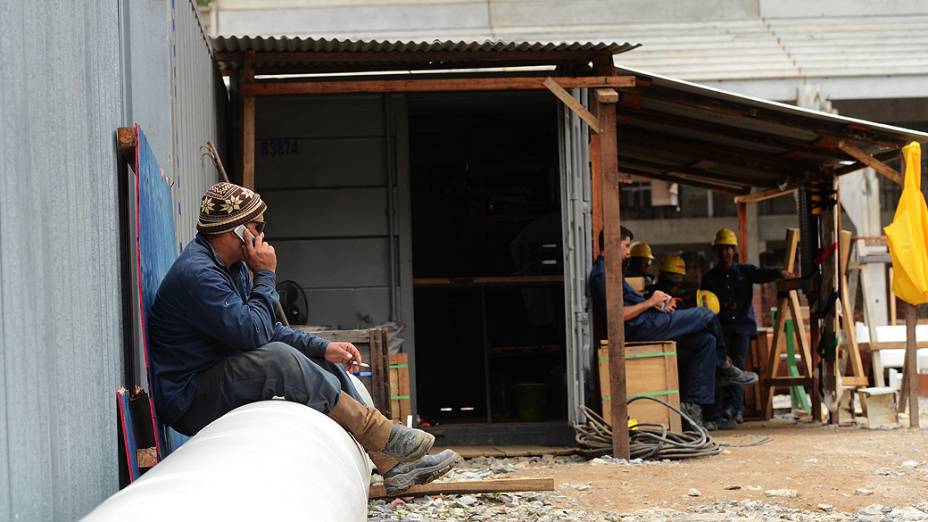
{"type": "Point", "coordinates": [281, 357]}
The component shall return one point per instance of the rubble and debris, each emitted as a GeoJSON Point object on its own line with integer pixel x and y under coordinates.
{"type": "Point", "coordinates": [693, 492]}
{"type": "Point", "coordinates": [785, 493]}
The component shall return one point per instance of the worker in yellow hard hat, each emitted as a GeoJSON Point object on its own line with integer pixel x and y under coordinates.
{"type": "Point", "coordinates": [731, 285]}
{"type": "Point", "coordinates": [671, 279]}
{"type": "Point", "coordinates": [639, 262]}
{"type": "Point", "coordinates": [701, 361]}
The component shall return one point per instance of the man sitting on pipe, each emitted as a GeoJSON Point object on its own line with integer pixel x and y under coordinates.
{"type": "Point", "coordinates": [215, 345]}
{"type": "Point", "coordinates": [700, 344]}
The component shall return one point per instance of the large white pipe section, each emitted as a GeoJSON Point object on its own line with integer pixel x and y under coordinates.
{"type": "Point", "coordinates": [269, 460]}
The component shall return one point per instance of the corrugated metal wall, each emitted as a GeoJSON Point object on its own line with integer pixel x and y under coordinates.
{"type": "Point", "coordinates": [60, 315]}
{"type": "Point", "coordinates": [324, 165]}
{"type": "Point", "coordinates": [71, 73]}
{"type": "Point", "coordinates": [198, 102]}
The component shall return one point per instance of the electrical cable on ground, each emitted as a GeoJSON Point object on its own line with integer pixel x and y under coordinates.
{"type": "Point", "coordinates": [648, 441]}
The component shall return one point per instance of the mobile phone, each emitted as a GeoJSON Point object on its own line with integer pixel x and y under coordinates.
{"type": "Point", "coordinates": [239, 232]}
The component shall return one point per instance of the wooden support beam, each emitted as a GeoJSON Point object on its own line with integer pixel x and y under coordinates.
{"type": "Point", "coordinates": [573, 104]}
{"type": "Point", "coordinates": [125, 141]}
{"type": "Point", "coordinates": [764, 195]}
{"type": "Point", "coordinates": [609, 171]}
{"type": "Point", "coordinates": [890, 345]}
{"type": "Point", "coordinates": [684, 179]}
{"type": "Point", "coordinates": [607, 96]}
{"type": "Point", "coordinates": [743, 232]}
{"type": "Point", "coordinates": [910, 370]}
{"type": "Point", "coordinates": [469, 486]}
{"type": "Point", "coordinates": [248, 122]}
{"type": "Point", "coordinates": [868, 160]}
{"type": "Point", "coordinates": [278, 88]}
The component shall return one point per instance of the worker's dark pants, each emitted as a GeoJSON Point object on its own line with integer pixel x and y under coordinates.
{"type": "Point", "coordinates": [732, 397]}
{"type": "Point", "coordinates": [273, 370]}
{"type": "Point", "coordinates": [700, 348]}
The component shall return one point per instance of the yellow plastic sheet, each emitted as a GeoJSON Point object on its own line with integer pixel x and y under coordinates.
{"type": "Point", "coordinates": [908, 234]}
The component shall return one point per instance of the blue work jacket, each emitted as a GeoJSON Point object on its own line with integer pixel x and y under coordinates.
{"type": "Point", "coordinates": [205, 312]}
{"type": "Point", "coordinates": [735, 290]}
{"type": "Point", "coordinates": [630, 297]}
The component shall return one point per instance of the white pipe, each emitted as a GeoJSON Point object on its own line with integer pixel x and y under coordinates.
{"type": "Point", "coordinates": [269, 460]}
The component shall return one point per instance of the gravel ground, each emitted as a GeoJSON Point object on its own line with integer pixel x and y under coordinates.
{"type": "Point", "coordinates": [556, 506]}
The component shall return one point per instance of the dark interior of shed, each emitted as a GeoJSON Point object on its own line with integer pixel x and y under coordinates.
{"type": "Point", "coordinates": [487, 257]}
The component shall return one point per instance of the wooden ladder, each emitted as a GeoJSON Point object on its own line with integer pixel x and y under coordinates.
{"type": "Point", "coordinates": [787, 305]}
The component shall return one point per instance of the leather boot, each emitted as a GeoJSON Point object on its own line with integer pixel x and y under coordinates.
{"type": "Point", "coordinates": [382, 462]}
{"type": "Point", "coordinates": [376, 433]}
{"type": "Point", "coordinates": [369, 427]}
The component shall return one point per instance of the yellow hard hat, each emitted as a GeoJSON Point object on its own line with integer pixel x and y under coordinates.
{"type": "Point", "coordinates": [674, 264]}
{"type": "Point", "coordinates": [725, 236]}
{"type": "Point", "coordinates": [641, 249]}
{"type": "Point", "coordinates": [707, 299]}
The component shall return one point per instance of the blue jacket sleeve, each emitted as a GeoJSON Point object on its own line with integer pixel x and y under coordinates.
{"type": "Point", "coordinates": [218, 309]}
{"type": "Point", "coordinates": [763, 275]}
{"type": "Point", "coordinates": [311, 345]}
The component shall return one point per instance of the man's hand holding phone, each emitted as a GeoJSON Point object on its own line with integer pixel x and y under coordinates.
{"type": "Point", "coordinates": [258, 254]}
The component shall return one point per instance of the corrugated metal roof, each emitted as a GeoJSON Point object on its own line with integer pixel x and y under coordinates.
{"type": "Point", "coordinates": [677, 130]}
{"type": "Point", "coordinates": [407, 54]}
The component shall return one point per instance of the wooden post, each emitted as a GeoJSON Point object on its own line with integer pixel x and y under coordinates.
{"type": "Point", "coordinates": [743, 232]}
{"type": "Point", "coordinates": [910, 370]}
{"type": "Point", "coordinates": [609, 172]}
{"type": "Point", "coordinates": [248, 122]}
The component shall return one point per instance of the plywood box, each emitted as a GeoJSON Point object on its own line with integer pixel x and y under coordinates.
{"type": "Point", "coordinates": [650, 371]}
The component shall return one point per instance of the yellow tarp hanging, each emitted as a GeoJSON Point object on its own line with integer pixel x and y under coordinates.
{"type": "Point", "coordinates": [908, 234]}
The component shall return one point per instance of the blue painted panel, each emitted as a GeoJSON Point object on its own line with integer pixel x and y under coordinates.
{"type": "Point", "coordinates": [157, 250]}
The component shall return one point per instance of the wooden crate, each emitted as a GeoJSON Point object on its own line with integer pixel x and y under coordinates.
{"type": "Point", "coordinates": [650, 371]}
{"type": "Point", "coordinates": [372, 344]}
{"type": "Point", "coordinates": [400, 399]}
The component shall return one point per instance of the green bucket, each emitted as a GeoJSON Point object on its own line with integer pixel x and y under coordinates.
{"type": "Point", "coordinates": [532, 401]}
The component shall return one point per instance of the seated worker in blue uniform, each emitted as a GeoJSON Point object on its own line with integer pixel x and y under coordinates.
{"type": "Point", "coordinates": [671, 279]}
{"type": "Point", "coordinates": [639, 262]}
{"type": "Point", "coordinates": [733, 284]}
{"type": "Point", "coordinates": [701, 360]}
{"type": "Point", "coordinates": [215, 345]}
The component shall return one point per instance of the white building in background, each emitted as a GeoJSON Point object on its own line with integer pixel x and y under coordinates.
{"type": "Point", "coordinates": [861, 58]}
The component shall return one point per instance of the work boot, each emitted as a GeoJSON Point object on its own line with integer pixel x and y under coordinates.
{"type": "Point", "coordinates": [721, 423]}
{"type": "Point", "coordinates": [739, 418]}
{"type": "Point", "coordinates": [404, 476]}
{"type": "Point", "coordinates": [407, 444]}
{"type": "Point", "coordinates": [734, 375]}
{"type": "Point", "coordinates": [694, 412]}
{"type": "Point", "coordinates": [376, 433]}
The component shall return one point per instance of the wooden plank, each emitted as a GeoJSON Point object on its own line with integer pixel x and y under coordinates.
{"type": "Point", "coordinates": [671, 375]}
{"type": "Point", "coordinates": [395, 415]}
{"type": "Point", "coordinates": [607, 96]}
{"type": "Point", "coordinates": [613, 252]}
{"type": "Point", "coordinates": [891, 345]}
{"type": "Point", "coordinates": [469, 486]}
{"type": "Point", "coordinates": [743, 231]}
{"type": "Point", "coordinates": [764, 195]}
{"type": "Point", "coordinates": [602, 363]}
{"type": "Point", "coordinates": [378, 373]}
{"type": "Point", "coordinates": [269, 88]}
{"type": "Point", "coordinates": [788, 381]}
{"type": "Point", "coordinates": [910, 370]}
{"type": "Point", "coordinates": [405, 394]}
{"type": "Point", "coordinates": [248, 122]}
{"type": "Point", "coordinates": [596, 193]}
{"type": "Point", "coordinates": [847, 313]}
{"type": "Point", "coordinates": [573, 104]}
{"type": "Point", "coordinates": [868, 160]}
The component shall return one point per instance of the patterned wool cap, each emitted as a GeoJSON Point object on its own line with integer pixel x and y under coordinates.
{"type": "Point", "coordinates": [226, 206]}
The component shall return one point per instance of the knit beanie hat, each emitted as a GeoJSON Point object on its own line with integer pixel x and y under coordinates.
{"type": "Point", "coordinates": [226, 206]}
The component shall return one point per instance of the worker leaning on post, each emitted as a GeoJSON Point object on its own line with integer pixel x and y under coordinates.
{"type": "Point", "coordinates": [701, 360]}
{"type": "Point", "coordinates": [733, 285]}
{"type": "Point", "coordinates": [639, 262]}
{"type": "Point", "coordinates": [215, 345]}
